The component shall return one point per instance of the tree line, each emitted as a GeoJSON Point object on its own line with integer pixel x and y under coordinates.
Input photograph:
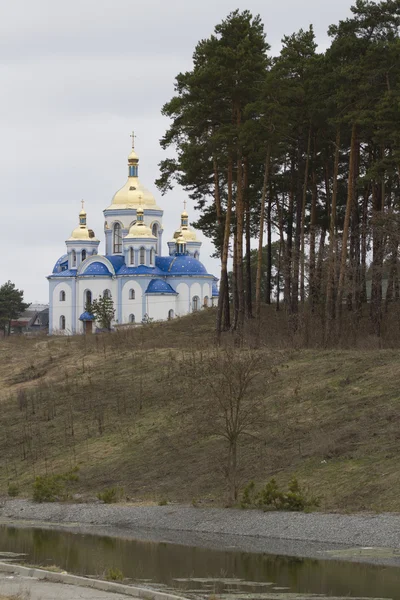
{"type": "Point", "coordinates": [302, 152]}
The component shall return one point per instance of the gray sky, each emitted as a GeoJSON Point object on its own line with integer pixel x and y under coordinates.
{"type": "Point", "coordinates": [76, 78]}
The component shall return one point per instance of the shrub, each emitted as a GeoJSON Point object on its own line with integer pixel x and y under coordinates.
{"type": "Point", "coordinates": [270, 497]}
{"type": "Point", "coordinates": [114, 574]}
{"type": "Point", "coordinates": [52, 488]}
{"type": "Point", "coordinates": [13, 490]}
{"type": "Point", "coordinates": [111, 495]}
{"type": "Point", "coordinates": [163, 502]}
{"type": "Point", "coordinates": [48, 488]}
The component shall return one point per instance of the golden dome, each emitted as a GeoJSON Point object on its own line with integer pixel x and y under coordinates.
{"type": "Point", "coordinates": [188, 235]}
{"type": "Point", "coordinates": [80, 233]}
{"type": "Point", "coordinates": [140, 230]}
{"type": "Point", "coordinates": [133, 192]}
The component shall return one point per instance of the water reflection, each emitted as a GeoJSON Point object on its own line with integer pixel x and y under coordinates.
{"type": "Point", "coordinates": [198, 570]}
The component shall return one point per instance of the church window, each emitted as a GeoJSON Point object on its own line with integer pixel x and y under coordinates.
{"type": "Point", "coordinates": [205, 303]}
{"type": "Point", "coordinates": [131, 256]}
{"type": "Point", "coordinates": [88, 298]}
{"type": "Point", "coordinates": [154, 231]}
{"type": "Point", "coordinates": [196, 255]}
{"type": "Point", "coordinates": [62, 296]}
{"type": "Point", "coordinates": [117, 239]}
{"type": "Point", "coordinates": [195, 303]}
{"type": "Point", "coordinates": [131, 318]}
{"type": "Point", "coordinates": [171, 315]}
{"type": "Point", "coordinates": [62, 322]}
{"type": "Point", "coordinates": [142, 256]}
{"type": "Point", "coordinates": [106, 294]}
{"type": "Point", "coordinates": [152, 256]}
{"type": "Point", "coordinates": [131, 294]}
{"type": "Point", "coordinates": [73, 258]}
{"type": "Point", "coordinates": [83, 255]}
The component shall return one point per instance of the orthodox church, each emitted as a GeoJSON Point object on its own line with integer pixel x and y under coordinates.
{"type": "Point", "coordinates": [142, 283]}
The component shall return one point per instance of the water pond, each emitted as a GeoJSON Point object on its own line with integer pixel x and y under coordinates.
{"type": "Point", "coordinates": [199, 572]}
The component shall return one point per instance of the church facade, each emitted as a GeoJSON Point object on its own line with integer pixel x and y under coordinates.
{"type": "Point", "coordinates": [142, 283]}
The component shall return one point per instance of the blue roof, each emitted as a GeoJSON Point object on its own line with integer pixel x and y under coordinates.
{"type": "Point", "coordinates": [62, 262]}
{"type": "Point", "coordinates": [65, 273]}
{"type": "Point", "coordinates": [97, 268]}
{"type": "Point", "coordinates": [116, 260]}
{"type": "Point", "coordinates": [215, 290]}
{"type": "Point", "coordinates": [182, 265]}
{"type": "Point", "coordinates": [140, 270]}
{"type": "Point", "coordinates": [86, 316]}
{"type": "Point", "coordinates": [158, 286]}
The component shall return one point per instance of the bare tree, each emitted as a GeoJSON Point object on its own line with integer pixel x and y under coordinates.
{"type": "Point", "coordinates": [227, 378]}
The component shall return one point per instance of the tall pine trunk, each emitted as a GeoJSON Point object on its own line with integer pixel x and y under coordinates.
{"type": "Point", "coordinates": [350, 193]}
{"type": "Point", "coordinates": [261, 235]}
{"type": "Point", "coordinates": [224, 256]}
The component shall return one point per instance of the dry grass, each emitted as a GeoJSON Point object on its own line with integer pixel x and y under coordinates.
{"type": "Point", "coordinates": [125, 409]}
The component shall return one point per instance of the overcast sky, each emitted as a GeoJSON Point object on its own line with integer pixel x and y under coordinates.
{"type": "Point", "coordinates": [76, 78]}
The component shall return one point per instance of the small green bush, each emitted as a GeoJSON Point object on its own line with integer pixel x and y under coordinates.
{"type": "Point", "coordinates": [13, 490]}
{"type": "Point", "coordinates": [114, 574]}
{"type": "Point", "coordinates": [270, 497]}
{"type": "Point", "coordinates": [53, 488]}
{"type": "Point", "coordinates": [163, 502]}
{"type": "Point", "coordinates": [111, 495]}
{"type": "Point", "coordinates": [48, 488]}
{"type": "Point", "coordinates": [248, 495]}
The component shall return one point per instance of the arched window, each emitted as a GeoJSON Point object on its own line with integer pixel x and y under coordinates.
{"type": "Point", "coordinates": [88, 297]}
{"type": "Point", "coordinates": [152, 256]}
{"type": "Point", "coordinates": [83, 255]}
{"type": "Point", "coordinates": [106, 294]}
{"type": "Point", "coordinates": [131, 256]}
{"type": "Point", "coordinates": [73, 258]}
{"type": "Point", "coordinates": [142, 260]}
{"type": "Point", "coordinates": [171, 315]}
{"type": "Point", "coordinates": [196, 255]}
{"type": "Point", "coordinates": [62, 322]}
{"type": "Point", "coordinates": [206, 301]}
{"type": "Point", "coordinates": [154, 231]}
{"type": "Point", "coordinates": [195, 303]}
{"type": "Point", "coordinates": [117, 239]}
{"type": "Point", "coordinates": [62, 296]}
{"type": "Point", "coordinates": [131, 294]}
{"type": "Point", "coordinates": [131, 318]}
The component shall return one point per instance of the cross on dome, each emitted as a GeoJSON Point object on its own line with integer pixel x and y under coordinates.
{"type": "Point", "coordinates": [133, 136]}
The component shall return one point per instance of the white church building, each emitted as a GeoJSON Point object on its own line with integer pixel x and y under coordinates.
{"type": "Point", "coordinates": [142, 283]}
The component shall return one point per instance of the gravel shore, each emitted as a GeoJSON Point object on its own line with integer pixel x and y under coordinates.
{"type": "Point", "coordinates": [371, 538]}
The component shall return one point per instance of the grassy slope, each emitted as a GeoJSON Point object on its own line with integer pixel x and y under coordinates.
{"type": "Point", "coordinates": [123, 408]}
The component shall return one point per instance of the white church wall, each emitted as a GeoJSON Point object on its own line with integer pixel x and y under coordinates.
{"type": "Point", "coordinates": [182, 302]}
{"type": "Point", "coordinates": [207, 292]}
{"type": "Point", "coordinates": [195, 290]}
{"type": "Point", "coordinates": [132, 306]}
{"type": "Point", "coordinates": [62, 308]}
{"type": "Point", "coordinates": [96, 286]}
{"type": "Point", "coordinates": [158, 306]}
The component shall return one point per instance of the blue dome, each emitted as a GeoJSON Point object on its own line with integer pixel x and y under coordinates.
{"type": "Point", "coordinates": [215, 290]}
{"type": "Point", "coordinates": [61, 264]}
{"type": "Point", "coordinates": [117, 261]}
{"type": "Point", "coordinates": [182, 265]}
{"type": "Point", "coordinates": [140, 270]}
{"type": "Point", "coordinates": [86, 317]}
{"type": "Point", "coordinates": [97, 268]}
{"type": "Point", "coordinates": [158, 286]}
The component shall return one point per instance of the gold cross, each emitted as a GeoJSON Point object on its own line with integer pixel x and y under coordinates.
{"type": "Point", "coordinates": [133, 139]}
{"type": "Point", "coordinates": [83, 204]}
{"type": "Point", "coordinates": [184, 204]}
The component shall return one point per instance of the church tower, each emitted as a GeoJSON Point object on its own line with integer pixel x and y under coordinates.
{"type": "Point", "coordinates": [82, 243]}
{"type": "Point", "coordinates": [121, 215]}
{"type": "Point", "coordinates": [186, 235]}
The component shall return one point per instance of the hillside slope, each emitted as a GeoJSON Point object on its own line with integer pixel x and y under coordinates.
{"type": "Point", "coordinates": [134, 409]}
